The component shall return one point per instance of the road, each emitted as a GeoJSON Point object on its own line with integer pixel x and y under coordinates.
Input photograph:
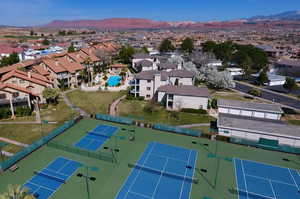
{"type": "Point", "coordinates": [269, 95]}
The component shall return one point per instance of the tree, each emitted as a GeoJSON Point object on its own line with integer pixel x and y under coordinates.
{"type": "Point", "coordinates": [290, 84]}
{"type": "Point", "coordinates": [126, 54]}
{"type": "Point", "coordinates": [10, 60]}
{"type": "Point", "coordinates": [255, 92]}
{"type": "Point", "coordinates": [46, 42]}
{"type": "Point", "coordinates": [145, 50]}
{"type": "Point", "coordinates": [88, 63]}
{"type": "Point", "coordinates": [209, 46]}
{"type": "Point", "coordinates": [51, 95]}
{"type": "Point", "coordinates": [31, 33]}
{"type": "Point", "coordinates": [187, 45]}
{"type": "Point", "coordinates": [298, 55]}
{"type": "Point", "coordinates": [71, 49]}
{"type": "Point", "coordinates": [166, 46]}
{"type": "Point", "coordinates": [16, 192]}
{"type": "Point", "coordinates": [246, 64]}
{"type": "Point", "coordinates": [123, 73]}
{"type": "Point", "coordinates": [263, 78]}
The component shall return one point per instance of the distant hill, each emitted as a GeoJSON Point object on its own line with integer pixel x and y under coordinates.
{"type": "Point", "coordinates": [286, 19]}
{"type": "Point", "coordinates": [290, 15]}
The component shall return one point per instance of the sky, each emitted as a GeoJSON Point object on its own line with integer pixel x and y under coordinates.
{"type": "Point", "coordinates": [39, 12]}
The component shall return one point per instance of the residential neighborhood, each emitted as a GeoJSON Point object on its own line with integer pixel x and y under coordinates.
{"type": "Point", "coordinates": [150, 100]}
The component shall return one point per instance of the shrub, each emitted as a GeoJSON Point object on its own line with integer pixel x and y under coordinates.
{"type": "Point", "coordinates": [132, 97]}
{"type": "Point", "coordinates": [23, 111]}
{"type": "Point", "coordinates": [213, 103]}
{"type": "Point", "coordinates": [190, 110]}
{"type": "Point", "coordinates": [105, 77]}
{"type": "Point", "coordinates": [5, 113]}
{"type": "Point", "coordinates": [255, 92]}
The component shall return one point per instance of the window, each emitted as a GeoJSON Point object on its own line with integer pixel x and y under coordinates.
{"type": "Point", "coordinates": [147, 96]}
{"type": "Point", "coordinates": [148, 88]}
{"type": "Point", "coordinates": [22, 81]}
{"type": "Point", "coordinates": [148, 81]}
{"type": "Point", "coordinates": [2, 96]}
{"type": "Point", "coordinates": [16, 94]}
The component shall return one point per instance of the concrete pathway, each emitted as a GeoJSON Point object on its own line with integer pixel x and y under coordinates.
{"type": "Point", "coordinates": [71, 105]}
{"type": "Point", "coordinates": [194, 125]}
{"type": "Point", "coordinates": [13, 142]}
{"type": "Point", "coordinates": [114, 105]}
{"type": "Point", "coordinates": [8, 154]}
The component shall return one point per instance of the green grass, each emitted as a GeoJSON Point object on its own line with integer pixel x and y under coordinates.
{"type": "Point", "coordinates": [294, 122]}
{"type": "Point", "coordinates": [28, 133]}
{"type": "Point", "coordinates": [231, 95]}
{"type": "Point", "coordinates": [134, 109]}
{"type": "Point", "coordinates": [94, 102]}
{"type": "Point", "coordinates": [111, 176]}
{"type": "Point", "coordinates": [21, 37]}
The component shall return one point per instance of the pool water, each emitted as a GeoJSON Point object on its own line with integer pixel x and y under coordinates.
{"type": "Point", "coordinates": [114, 80]}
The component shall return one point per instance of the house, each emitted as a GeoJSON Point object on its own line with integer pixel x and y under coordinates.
{"type": "Point", "coordinates": [288, 67]}
{"type": "Point", "coordinates": [117, 68]}
{"type": "Point", "coordinates": [145, 65]}
{"type": "Point", "coordinates": [254, 129]}
{"type": "Point", "coordinates": [33, 82]}
{"type": "Point", "coordinates": [184, 96]}
{"type": "Point", "coordinates": [137, 58]}
{"type": "Point", "coordinates": [250, 109]}
{"type": "Point", "coordinates": [214, 63]}
{"type": "Point", "coordinates": [12, 96]}
{"type": "Point", "coordinates": [274, 80]}
{"type": "Point", "coordinates": [6, 50]}
{"type": "Point", "coordinates": [63, 71]}
{"type": "Point", "coordinates": [146, 83]}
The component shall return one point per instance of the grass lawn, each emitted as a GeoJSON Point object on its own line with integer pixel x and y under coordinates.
{"type": "Point", "coordinates": [94, 102]}
{"type": "Point", "coordinates": [232, 95]}
{"type": "Point", "coordinates": [134, 109]}
{"type": "Point", "coordinates": [29, 133]}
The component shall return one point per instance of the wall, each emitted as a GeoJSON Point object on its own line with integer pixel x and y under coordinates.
{"type": "Point", "coordinates": [249, 113]}
{"type": "Point", "coordinates": [190, 102]}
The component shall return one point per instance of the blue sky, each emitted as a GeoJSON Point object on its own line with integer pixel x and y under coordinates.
{"type": "Point", "coordinates": [37, 12]}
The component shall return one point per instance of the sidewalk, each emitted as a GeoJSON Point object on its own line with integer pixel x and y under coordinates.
{"type": "Point", "coordinates": [13, 142]}
{"type": "Point", "coordinates": [69, 103]}
{"type": "Point", "coordinates": [114, 105]}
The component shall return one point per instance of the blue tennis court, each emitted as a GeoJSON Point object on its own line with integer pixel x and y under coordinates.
{"type": "Point", "coordinates": [162, 173]}
{"type": "Point", "coordinates": [47, 181]}
{"type": "Point", "coordinates": [96, 138]}
{"type": "Point", "coordinates": [263, 181]}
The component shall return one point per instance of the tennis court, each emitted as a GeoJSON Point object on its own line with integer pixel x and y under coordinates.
{"type": "Point", "coordinates": [47, 181]}
{"type": "Point", "coordinates": [160, 173]}
{"type": "Point", "coordinates": [257, 180]}
{"type": "Point", "coordinates": [96, 138]}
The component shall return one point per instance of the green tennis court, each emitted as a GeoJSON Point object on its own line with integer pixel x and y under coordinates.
{"type": "Point", "coordinates": [215, 173]}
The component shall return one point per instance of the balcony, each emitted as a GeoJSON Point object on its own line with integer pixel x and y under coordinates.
{"type": "Point", "coordinates": [133, 91]}
{"type": "Point", "coordinates": [16, 100]}
{"type": "Point", "coordinates": [134, 83]}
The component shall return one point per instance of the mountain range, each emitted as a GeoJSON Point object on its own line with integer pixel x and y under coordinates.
{"type": "Point", "coordinates": [290, 18]}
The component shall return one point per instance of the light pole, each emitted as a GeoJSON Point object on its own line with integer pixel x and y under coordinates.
{"type": "Point", "coordinates": [88, 178]}
{"type": "Point", "coordinates": [113, 150]}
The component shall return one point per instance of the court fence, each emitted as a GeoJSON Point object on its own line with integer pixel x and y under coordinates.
{"type": "Point", "coordinates": [178, 130]}
{"type": "Point", "coordinates": [26, 151]}
{"type": "Point", "coordinates": [105, 156]}
{"type": "Point", "coordinates": [121, 120]}
{"type": "Point", "coordinates": [272, 145]}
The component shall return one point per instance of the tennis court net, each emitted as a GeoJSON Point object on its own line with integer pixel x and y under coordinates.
{"type": "Point", "coordinates": [43, 174]}
{"type": "Point", "coordinates": [246, 194]}
{"type": "Point", "coordinates": [101, 134]}
{"type": "Point", "coordinates": [164, 173]}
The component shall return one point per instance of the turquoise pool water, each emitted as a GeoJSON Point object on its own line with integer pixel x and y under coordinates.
{"type": "Point", "coordinates": [114, 80]}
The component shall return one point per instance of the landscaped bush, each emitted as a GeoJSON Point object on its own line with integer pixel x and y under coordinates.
{"type": "Point", "coordinates": [23, 111]}
{"type": "Point", "coordinates": [5, 113]}
{"type": "Point", "coordinates": [255, 92]}
{"type": "Point", "coordinates": [190, 110]}
{"type": "Point", "coordinates": [213, 103]}
{"type": "Point", "coordinates": [132, 97]}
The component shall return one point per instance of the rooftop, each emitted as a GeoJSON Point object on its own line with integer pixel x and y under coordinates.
{"type": "Point", "coordinates": [186, 90]}
{"type": "Point", "coordinates": [250, 105]}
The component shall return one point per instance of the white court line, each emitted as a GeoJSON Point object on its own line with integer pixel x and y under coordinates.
{"type": "Point", "coordinates": [139, 171]}
{"type": "Point", "coordinates": [294, 179]}
{"type": "Point", "coordinates": [162, 156]}
{"type": "Point", "coordinates": [139, 194]}
{"type": "Point", "coordinates": [130, 174]}
{"type": "Point", "coordinates": [161, 174]}
{"type": "Point", "coordinates": [264, 164]}
{"type": "Point", "coordinates": [272, 189]}
{"type": "Point", "coordinates": [244, 179]}
{"type": "Point", "coordinates": [267, 179]}
{"type": "Point", "coordinates": [183, 182]}
{"type": "Point", "coordinates": [237, 183]}
{"type": "Point", "coordinates": [255, 194]}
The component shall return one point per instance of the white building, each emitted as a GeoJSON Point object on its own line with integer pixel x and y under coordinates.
{"type": "Point", "coordinates": [139, 58]}
{"type": "Point", "coordinates": [274, 80]}
{"type": "Point", "coordinates": [184, 96]}
{"type": "Point", "coordinates": [146, 83]}
{"type": "Point", "coordinates": [254, 129]}
{"type": "Point", "coordinates": [250, 109]}
{"type": "Point", "coordinates": [234, 71]}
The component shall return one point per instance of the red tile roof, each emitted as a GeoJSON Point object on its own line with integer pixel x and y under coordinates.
{"type": "Point", "coordinates": [13, 86]}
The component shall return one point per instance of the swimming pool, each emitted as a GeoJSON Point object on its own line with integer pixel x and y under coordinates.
{"type": "Point", "coordinates": [114, 80]}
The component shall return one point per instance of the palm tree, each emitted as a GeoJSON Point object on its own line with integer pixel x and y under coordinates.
{"type": "Point", "coordinates": [88, 62]}
{"type": "Point", "coordinates": [16, 192]}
